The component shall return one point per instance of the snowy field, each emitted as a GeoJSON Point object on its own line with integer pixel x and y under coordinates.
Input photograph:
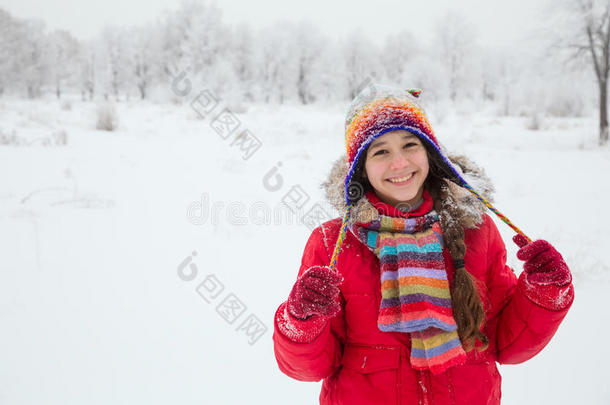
{"type": "Point", "coordinates": [102, 300]}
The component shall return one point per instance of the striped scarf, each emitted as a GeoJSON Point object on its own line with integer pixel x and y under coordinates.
{"type": "Point", "coordinates": [414, 287]}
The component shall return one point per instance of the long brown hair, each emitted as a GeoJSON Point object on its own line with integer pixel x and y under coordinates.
{"type": "Point", "coordinates": [468, 310]}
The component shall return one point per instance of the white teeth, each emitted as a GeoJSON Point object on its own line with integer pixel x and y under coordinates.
{"type": "Point", "coordinates": [401, 179]}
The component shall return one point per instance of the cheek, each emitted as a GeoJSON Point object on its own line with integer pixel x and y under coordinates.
{"type": "Point", "coordinates": [374, 172]}
{"type": "Point", "coordinates": [422, 162]}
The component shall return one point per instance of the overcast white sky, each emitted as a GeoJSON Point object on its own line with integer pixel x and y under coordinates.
{"type": "Point", "coordinates": [497, 22]}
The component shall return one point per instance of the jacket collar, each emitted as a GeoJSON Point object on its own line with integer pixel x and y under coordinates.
{"type": "Point", "coordinates": [427, 204]}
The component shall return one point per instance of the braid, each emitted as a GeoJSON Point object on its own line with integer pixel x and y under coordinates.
{"type": "Point", "coordinates": [468, 310]}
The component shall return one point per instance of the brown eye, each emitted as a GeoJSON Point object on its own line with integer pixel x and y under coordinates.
{"type": "Point", "coordinates": [379, 152]}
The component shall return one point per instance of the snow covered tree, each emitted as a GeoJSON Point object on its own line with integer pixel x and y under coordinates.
{"type": "Point", "coordinates": [63, 50]}
{"type": "Point", "coordinates": [398, 50]}
{"type": "Point", "coordinates": [592, 38]}
{"type": "Point", "coordinates": [360, 60]}
{"type": "Point", "coordinates": [34, 58]}
{"type": "Point", "coordinates": [143, 54]}
{"type": "Point", "coordinates": [243, 59]}
{"type": "Point", "coordinates": [326, 83]}
{"type": "Point", "coordinates": [456, 42]}
{"type": "Point", "coordinates": [277, 65]}
{"type": "Point", "coordinates": [308, 47]}
{"type": "Point", "coordinates": [24, 62]}
{"type": "Point", "coordinates": [193, 39]}
{"type": "Point", "coordinates": [9, 42]}
{"type": "Point", "coordinates": [116, 65]}
{"type": "Point", "coordinates": [87, 70]}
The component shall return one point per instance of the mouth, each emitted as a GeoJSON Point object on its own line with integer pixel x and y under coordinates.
{"type": "Point", "coordinates": [399, 181]}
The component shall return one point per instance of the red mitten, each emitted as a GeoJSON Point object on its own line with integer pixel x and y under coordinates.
{"type": "Point", "coordinates": [543, 263]}
{"type": "Point", "coordinates": [314, 293]}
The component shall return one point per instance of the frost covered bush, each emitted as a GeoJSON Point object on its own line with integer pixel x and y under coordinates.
{"type": "Point", "coordinates": [107, 118]}
{"type": "Point", "coordinates": [59, 138]}
{"type": "Point", "coordinates": [566, 107]}
{"type": "Point", "coordinates": [534, 122]}
{"type": "Point", "coordinates": [66, 105]}
{"type": "Point", "coordinates": [237, 107]}
{"type": "Point", "coordinates": [9, 139]}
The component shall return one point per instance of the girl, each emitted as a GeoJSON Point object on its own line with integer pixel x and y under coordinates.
{"type": "Point", "coordinates": [408, 299]}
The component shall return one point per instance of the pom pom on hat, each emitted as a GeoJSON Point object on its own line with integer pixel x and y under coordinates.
{"type": "Point", "coordinates": [415, 92]}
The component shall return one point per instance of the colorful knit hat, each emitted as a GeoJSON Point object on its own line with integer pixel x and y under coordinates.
{"type": "Point", "coordinates": [378, 109]}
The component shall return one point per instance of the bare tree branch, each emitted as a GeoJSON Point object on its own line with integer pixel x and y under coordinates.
{"type": "Point", "coordinates": [598, 72]}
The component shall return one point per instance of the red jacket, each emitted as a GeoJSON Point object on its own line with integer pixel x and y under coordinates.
{"type": "Point", "coordinates": [362, 365]}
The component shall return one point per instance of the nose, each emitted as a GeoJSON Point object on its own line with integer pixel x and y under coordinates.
{"type": "Point", "coordinates": [398, 162]}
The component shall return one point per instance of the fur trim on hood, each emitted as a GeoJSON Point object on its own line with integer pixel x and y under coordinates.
{"type": "Point", "coordinates": [469, 209]}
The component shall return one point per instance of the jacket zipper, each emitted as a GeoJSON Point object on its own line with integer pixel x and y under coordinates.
{"type": "Point", "coordinates": [450, 386]}
{"type": "Point", "coordinates": [422, 391]}
{"type": "Point", "coordinates": [399, 382]}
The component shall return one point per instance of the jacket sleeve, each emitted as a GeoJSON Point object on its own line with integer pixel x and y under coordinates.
{"type": "Point", "coordinates": [310, 349]}
{"type": "Point", "coordinates": [527, 316]}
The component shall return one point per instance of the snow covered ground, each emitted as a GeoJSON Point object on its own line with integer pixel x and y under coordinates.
{"type": "Point", "coordinates": [102, 300]}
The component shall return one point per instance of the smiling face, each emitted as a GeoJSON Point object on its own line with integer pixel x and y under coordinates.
{"type": "Point", "coordinates": [396, 166]}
